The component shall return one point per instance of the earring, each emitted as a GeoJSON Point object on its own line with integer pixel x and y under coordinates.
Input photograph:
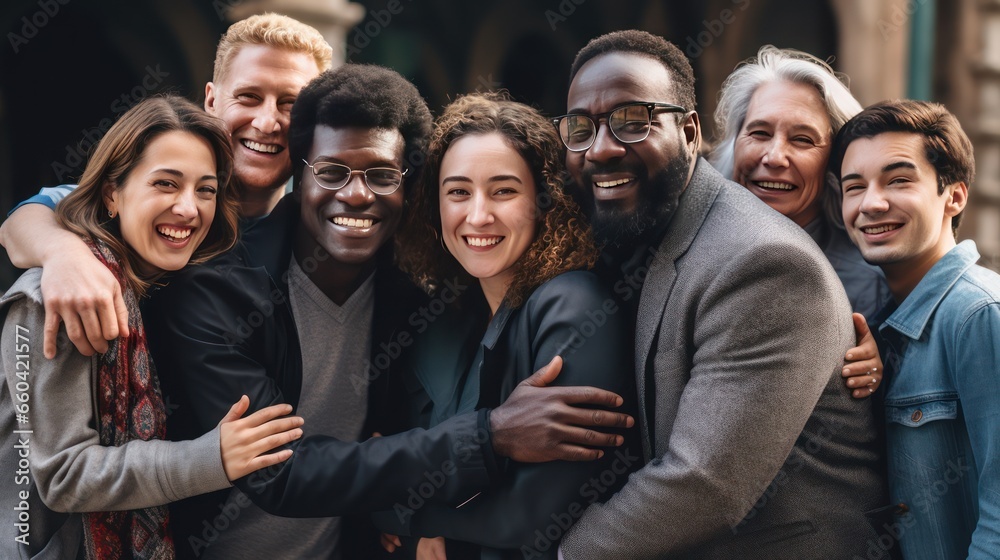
{"type": "Point", "coordinates": [111, 213]}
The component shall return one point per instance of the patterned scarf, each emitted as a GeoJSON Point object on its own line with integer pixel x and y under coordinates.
{"type": "Point", "coordinates": [129, 407]}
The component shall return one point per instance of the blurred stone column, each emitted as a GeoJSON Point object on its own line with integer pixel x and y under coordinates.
{"type": "Point", "coordinates": [986, 136]}
{"type": "Point", "coordinates": [333, 18]}
{"type": "Point", "coordinates": [874, 43]}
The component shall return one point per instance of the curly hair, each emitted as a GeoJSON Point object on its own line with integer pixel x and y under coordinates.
{"type": "Point", "coordinates": [361, 95]}
{"type": "Point", "coordinates": [563, 241]}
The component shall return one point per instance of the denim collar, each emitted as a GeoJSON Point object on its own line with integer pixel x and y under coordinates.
{"type": "Point", "coordinates": [912, 316]}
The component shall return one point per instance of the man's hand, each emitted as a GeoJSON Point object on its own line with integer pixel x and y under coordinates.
{"type": "Point", "coordinates": [77, 289]}
{"type": "Point", "coordinates": [82, 293]}
{"type": "Point", "coordinates": [538, 423]}
{"type": "Point", "coordinates": [863, 365]}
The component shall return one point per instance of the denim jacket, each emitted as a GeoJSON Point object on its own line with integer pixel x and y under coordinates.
{"type": "Point", "coordinates": [941, 347]}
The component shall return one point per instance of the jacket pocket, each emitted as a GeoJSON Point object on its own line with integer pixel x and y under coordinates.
{"type": "Point", "coordinates": [916, 414]}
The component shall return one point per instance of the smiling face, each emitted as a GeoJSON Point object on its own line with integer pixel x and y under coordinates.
{"type": "Point", "coordinates": [352, 223]}
{"type": "Point", "coordinates": [635, 186]}
{"type": "Point", "coordinates": [781, 152]}
{"type": "Point", "coordinates": [255, 98]}
{"type": "Point", "coordinates": [892, 208]}
{"type": "Point", "coordinates": [167, 203]}
{"type": "Point", "coordinates": [488, 213]}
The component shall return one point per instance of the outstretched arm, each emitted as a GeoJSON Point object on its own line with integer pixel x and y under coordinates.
{"type": "Point", "coordinates": [203, 343]}
{"type": "Point", "coordinates": [531, 497]}
{"type": "Point", "coordinates": [79, 291]}
{"type": "Point", "coordinates": [72, 470]}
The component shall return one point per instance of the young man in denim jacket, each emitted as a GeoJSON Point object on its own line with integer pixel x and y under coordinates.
{"type": "Point", "coordinates": [905, 169]}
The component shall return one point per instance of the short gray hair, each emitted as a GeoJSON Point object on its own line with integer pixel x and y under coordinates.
{"type": "Point", "coordinates": [781, 65]}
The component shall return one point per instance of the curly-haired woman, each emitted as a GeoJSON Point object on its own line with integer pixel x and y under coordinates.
{"type": "Point", "coordinates": [491, 219]}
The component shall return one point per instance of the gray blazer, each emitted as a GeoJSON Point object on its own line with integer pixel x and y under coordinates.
{"type": "Point", "coordinates": [755, 447]}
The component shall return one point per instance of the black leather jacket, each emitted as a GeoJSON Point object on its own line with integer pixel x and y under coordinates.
{"type": "Point", "coordinates": [224, 329]}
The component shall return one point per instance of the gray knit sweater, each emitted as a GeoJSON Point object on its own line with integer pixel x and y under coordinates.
{"type": "Point", "coordinates": [55, 437]}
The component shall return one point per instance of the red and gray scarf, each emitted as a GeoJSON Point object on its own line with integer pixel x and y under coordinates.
{"type": "Point", "coordinates": [129, 407]}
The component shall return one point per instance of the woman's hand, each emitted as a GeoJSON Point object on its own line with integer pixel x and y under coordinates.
{"type": "Point", "coordinates": [431, 549]}
{"type": "Point", "coordinates": [862, 364]}
{"type": "Point", "coordinates": [390, 542]}
{"type": "Point", "coordinates": [246, 441]}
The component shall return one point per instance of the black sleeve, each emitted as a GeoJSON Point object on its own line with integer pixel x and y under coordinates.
{"type": "Point", "coordinates": [574, 318]}
{"type": "Point", "coordinates": [219, 331]}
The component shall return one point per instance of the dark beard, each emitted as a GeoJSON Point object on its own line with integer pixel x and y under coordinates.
{"type": "Point", "coordinates": [616, 228]}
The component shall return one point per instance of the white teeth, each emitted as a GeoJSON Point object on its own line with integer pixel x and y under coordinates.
{"type": "Point", "coordinates": [353, 222]}
{"type": "Point", "coordinates": [174, 233]}
{"type": "Point", "coordinates": [774, 185]}
{"type": "Point", "coordinates": [258, 147]}
{"type": "Point", "coordinates": [878, 230]}
{"type": "Point", "coordinates": [483, 241]}
{"type": "Point", "coordinates": [609, 184]}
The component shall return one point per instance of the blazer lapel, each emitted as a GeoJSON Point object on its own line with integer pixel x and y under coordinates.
{"type": "Point", "coordinates": [692, 209]}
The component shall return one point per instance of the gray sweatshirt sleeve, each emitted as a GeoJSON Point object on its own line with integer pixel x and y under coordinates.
{"type": "Point", "coordinates": [72, 470]}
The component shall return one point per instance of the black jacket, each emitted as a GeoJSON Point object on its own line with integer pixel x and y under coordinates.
{"type": "Point", "coordinates": [224, 329]}
{"type": "Point", "coordinates": [458, 366]}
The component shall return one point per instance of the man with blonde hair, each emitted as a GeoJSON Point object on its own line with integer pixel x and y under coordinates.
{"type": "Point", "coordinates": [228, 326]}
{"type": "Point", "coordinates": [261, 64]}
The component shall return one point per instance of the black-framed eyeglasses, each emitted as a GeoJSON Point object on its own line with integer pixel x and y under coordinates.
{"type": "Point", "coordinates": [629, 123]}
{"type": "Point", "coordinates": [334, 176]}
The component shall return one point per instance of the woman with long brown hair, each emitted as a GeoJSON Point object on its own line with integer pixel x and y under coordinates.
{"type": "Point", "coordinates": [155, 197]}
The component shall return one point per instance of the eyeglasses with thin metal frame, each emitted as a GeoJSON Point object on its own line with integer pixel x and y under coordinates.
{"type": "Point", "coordinates": [382, 181]}
{"type": "Point", "coordinates": [629, 123]}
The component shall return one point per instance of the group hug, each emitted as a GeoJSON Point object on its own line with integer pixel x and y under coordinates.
{"type": "Point", "coordinates": [498, 334]}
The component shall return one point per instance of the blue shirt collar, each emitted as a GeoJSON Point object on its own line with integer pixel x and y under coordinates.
{"type": "Point", "coordinates": [911, 317]}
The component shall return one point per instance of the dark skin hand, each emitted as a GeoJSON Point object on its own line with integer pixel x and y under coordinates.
{"type": "Point", "coordinates": [539, 423]}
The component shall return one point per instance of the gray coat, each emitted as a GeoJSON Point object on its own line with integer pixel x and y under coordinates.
{"type": "Point", "coordinates": [755, 447]}
{"type": "Point", "coordinates": [70, 471]}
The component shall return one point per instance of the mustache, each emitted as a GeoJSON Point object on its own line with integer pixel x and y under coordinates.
{"type": "Point", "coordinates": [589, 170]}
